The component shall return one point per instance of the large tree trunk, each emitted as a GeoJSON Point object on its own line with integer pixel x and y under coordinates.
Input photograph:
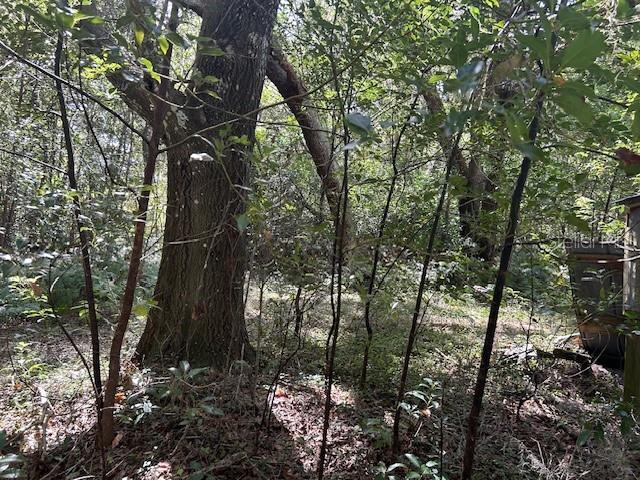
{"type": "Point", "coordinates": [470, 206]}
{"type": "Point", "coordinates": [199, 315]}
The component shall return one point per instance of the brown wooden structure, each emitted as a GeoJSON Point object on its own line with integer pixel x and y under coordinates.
{"type": "Point", "coordinates": [596, 271]}
{"type": "Point", "coordinates": [631, 299]}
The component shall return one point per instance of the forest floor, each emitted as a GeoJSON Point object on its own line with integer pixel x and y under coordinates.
{"type": "Point", "coordinates": [543, 418]}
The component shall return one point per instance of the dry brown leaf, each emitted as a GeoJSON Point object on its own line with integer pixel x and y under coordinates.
{"type": "Point", "coordinates": [117, 439]}
{"type": "Point", "coordinates": [287, 474]}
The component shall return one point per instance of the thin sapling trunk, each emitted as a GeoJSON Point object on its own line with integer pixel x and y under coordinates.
{"type": "Point", "coordinates": [492, 323]}
{"type": "Point", "coordinates": [83, 231]}
{"type": "Point", "coordinates": [376, 253]}
{"type": "Point", "coordinates": [157, 131]}
{"type": "Point", "coordinates": [421, 288]}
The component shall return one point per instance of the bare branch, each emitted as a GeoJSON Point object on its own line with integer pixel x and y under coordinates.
{"type": "Point", "coordinates": [71, 85]}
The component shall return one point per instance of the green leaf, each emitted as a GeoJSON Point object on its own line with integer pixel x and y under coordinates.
{"type": "Point", "coordinates": [580, 223]}
{"type": "Point", "coordinates": [584, 49]}
{"type": "Point", "coordinates": [635, 126]}
{"type": "Point", "coordinates": [211, 51]}
{"type": "Point", "coordinates": [571, 19]}
{"type": "Point", "coordinates": [146, 63]}
{"type": "Point", "coordinates": [80, 16]}
{"type": "Point", "coordinates": [140, 310]}
{"type": "Point", "coordinates": [243, 222]}
{"type": "Point", "coordinates": [210, 80]}
{"type": "Point", "coordinates": [359, 123]}
{"type": "Point", "coordinates": [124, 21]}
{"type": "Point", "coordinates": [163, 43]}
{"type": "Point", "coordinates": [396, 466]}
{"type": "Point", "coordinates": [531, 151]}
{"type": "Point", "coordinates": [138, 33]}
{"type": "Point", "coordinates": [583, 437]}
{"type": "Point", "coordinates": [517, 129]}
{"type": "Point", "coordinates": [537, 45]}
{"type": "Point", "coordinates": [577, 87]}
{"type": "Point", "coordinates": [65, 20]}
{"type": "Point", "coordinates": [575, 106]}
{"type": "Point", "coordinates": [178, 40]}
{"type": "Point", "coordinates": [415, 461]}
{"type": "Point", "coordinates": [459, 51]}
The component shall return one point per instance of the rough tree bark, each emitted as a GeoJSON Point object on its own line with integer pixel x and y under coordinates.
{"type": "Point", "coordinates": [196, 239]}
{"type": "Point", "coordinates": [199, 315]}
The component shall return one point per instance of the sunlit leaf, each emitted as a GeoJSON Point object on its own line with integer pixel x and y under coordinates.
{"type": "Point", "coordinates": [138, 33]}
{"type": "Point", "coordinates": [583, 50]}
{"type": "Point", "coordinates": [163, 43]}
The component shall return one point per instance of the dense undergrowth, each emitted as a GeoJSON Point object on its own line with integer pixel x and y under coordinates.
{"type": "Point", "coordinates": [544, 418]}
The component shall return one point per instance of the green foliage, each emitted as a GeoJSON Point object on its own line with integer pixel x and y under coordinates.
{"type": "Point", "coordinates": [583, 50]}
{"type": "Point", "coordinates": [422, 399]}
{"type": "Point", "coordinates": [412, 467]}
{"type": "Point", "coordinates": [487, 71]}
{"type": "Point", "coordinates": [10, 464]}
{"type": "Point", "coordinates": [379, 431]}
{"type": "Point", "coordinates": [27, 362]}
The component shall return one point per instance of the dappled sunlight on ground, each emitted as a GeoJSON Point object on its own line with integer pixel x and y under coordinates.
{"type": "Point", "coordinates": [534, 410]}
{"type": "Point", "coordinates": [299, 407]}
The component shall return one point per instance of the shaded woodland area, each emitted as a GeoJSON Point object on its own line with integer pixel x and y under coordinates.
{"type": "Point", "coordinates": [307, 239]}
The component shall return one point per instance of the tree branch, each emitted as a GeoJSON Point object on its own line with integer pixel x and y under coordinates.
{"type": "Point", "coordinates": [196, 6]}
{"type": "Point", "coordinates": [129, 79]}
{"type": "Point", "coordinates": [72, 86]}
{"type": "Point", "coordinates": [283, 76]}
